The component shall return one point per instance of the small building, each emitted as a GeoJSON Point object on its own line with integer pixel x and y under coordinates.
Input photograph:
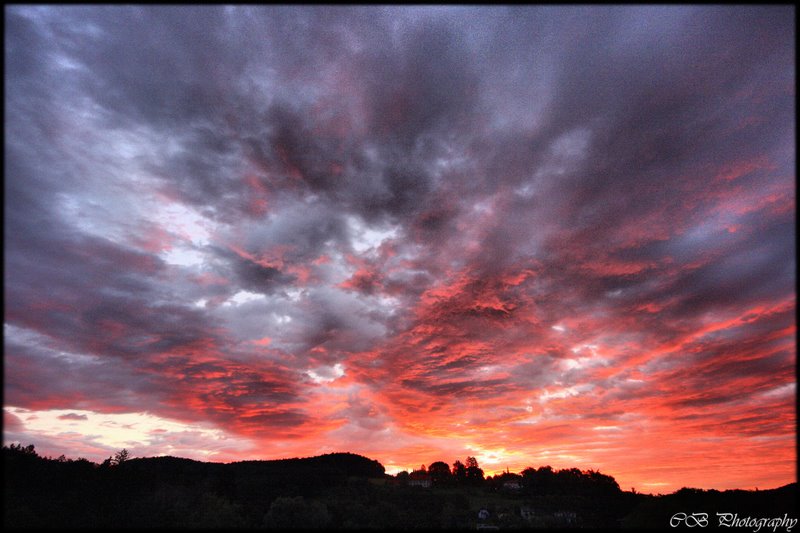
{"type": "Point", "coordinates": [527, 513]}
{"type": "Point", "coordinates": [566, 517]}
{"type": "Point", "coordinates": [509, 482]}
{"type": "Point", "coordinates": [419, 479]}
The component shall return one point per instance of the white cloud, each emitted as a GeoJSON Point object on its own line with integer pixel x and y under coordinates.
{"type": "Point", "coordinates": [365, 238]}
{"type": "Point", "coordinates": [326, 374]}
{"type": "Point", "coordinates": [243, 297]}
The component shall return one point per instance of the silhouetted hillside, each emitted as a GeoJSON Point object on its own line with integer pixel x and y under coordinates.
{"type": "Point", "coordinates": [164, 491]}
{"type": "Point", "coordinates": [329, 468]}
{"type": "Point", "coordinates": [657, 511]}
{"type": "Point", "coordinates": [340, 490]}
{"type": "Point", "coordinates": [332, 464]}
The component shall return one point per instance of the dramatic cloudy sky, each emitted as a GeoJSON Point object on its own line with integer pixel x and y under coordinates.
{"type": "Point", "coordinates": [542, 235]}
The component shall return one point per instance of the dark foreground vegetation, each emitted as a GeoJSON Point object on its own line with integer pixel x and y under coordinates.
{"type": "Point", "coordinates": [340, 490]}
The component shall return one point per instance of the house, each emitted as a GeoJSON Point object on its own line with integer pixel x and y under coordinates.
{"type": "Point", "coordinates": [419, 479]}
{"type": "Point", "coordinates": [566, 517]}
{"type": "Point", "coordinates": [527, 513]}
{"type": "Point", "coordinates": [510, 482]}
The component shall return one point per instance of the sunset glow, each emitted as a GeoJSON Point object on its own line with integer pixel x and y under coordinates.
{"type": "Point", "coordinates": [544, 235]}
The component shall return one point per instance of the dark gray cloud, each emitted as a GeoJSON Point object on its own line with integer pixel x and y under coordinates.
{"type": "Point", "coordinates": [73, 416]}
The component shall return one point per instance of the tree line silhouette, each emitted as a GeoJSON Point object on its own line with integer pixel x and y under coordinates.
{"type": "Point", "coordinates": [340, 490]}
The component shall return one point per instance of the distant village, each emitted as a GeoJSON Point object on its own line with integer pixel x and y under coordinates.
{"type": "Point", "coordinates": [492, 516]}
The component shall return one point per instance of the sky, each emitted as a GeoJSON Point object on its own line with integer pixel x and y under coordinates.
{"type": "Point", "coordinates": [542, 235]}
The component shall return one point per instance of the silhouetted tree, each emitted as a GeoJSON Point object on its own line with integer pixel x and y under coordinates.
{"type": "Point", "coordinates": [459, 472]}
{"type": "Point", "coordinates": [474, 474]}
{"type": "Point", "coordinates": [538, 479]}
{"type": "Point", "coordinates": [120, 457]}
{"type": "Point", "coordinates": [603, 481]}
{"type": "Point", "coordinates": [440, 472]}
{"type": "Point", "coordinates": [30, 449]}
